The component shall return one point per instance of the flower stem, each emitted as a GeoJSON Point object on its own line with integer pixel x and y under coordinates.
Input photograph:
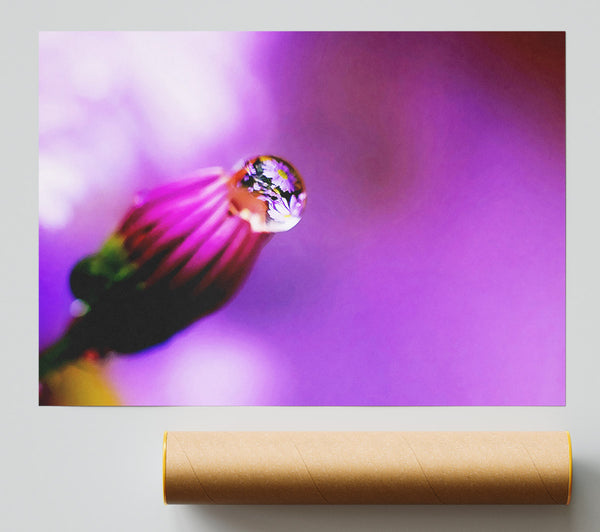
{"type": "Point", "coordinates": [70, 347]}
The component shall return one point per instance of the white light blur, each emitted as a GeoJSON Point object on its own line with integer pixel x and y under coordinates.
{"type": "Point", "coordinates": [219, 372]}
{"type": "Point", "coordinates": [108, 100]}
{"type": "Point", "coordinates": [203, 365]}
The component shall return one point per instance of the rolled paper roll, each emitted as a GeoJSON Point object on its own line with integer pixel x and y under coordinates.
{"type": "Point", "coordinates": [367, 467]}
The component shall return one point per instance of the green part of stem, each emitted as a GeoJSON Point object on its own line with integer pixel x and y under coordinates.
{"type": "Point", "coordinates": [60, 353]}
{"type": "Point", "coordinates": [93, 276]}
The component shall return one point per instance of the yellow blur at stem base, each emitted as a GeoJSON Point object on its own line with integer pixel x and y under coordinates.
{"type": "Point", "coordinates": [80, 383]}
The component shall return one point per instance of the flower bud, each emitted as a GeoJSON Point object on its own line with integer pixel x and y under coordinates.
{"type": "Point", "coordinates": [182, 251]}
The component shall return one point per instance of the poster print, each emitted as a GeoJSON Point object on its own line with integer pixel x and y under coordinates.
{"type": "Point", "coordinates": [297, 218]}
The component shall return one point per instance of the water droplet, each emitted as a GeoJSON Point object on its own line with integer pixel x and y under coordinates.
{"type": "Point", "coordinates": [269, 193]}
{"type": "Point", "coordinates": [78, 308]}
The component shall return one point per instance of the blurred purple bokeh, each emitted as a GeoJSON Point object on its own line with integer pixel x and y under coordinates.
{"type": "Point", "coordinates": [429, 267]}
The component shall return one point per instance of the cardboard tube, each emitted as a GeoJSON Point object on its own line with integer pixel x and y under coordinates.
{"type": "Point", "coordinates": [367, 467]}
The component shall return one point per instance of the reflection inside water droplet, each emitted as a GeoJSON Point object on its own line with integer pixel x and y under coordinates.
{"type": "Point", "coordinates": [269, 193]}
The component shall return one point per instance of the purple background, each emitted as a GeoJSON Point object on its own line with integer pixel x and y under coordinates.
{"type": "Point", "coordinates": [429, 267]}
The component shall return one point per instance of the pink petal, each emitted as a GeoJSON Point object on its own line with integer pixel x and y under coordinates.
{"type": "Point", "coordinates": [208, 251]}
